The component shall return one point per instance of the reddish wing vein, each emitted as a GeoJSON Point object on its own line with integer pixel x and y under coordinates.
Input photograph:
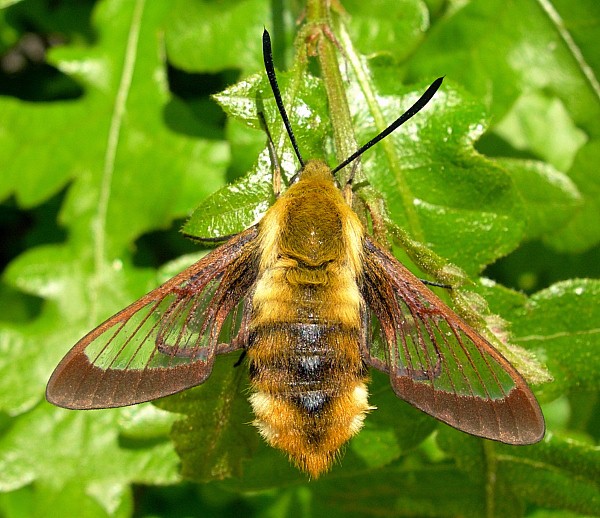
{"type": "Point", "coordinates": [440, 364]}
{"type": "Point", "coordinates": [166, 341]}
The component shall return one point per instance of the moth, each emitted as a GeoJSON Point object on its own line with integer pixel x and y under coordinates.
{"type": "Point", "coordinates": [313, 301]}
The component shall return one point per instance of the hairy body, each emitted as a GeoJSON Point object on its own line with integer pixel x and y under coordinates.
{"type": "Point", "coordinates": [304, 345]}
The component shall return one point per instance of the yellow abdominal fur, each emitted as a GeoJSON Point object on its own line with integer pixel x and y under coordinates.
{"type": "Point", "coordinates": [305, 364]}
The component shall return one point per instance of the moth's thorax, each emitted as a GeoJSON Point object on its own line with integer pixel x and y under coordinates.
{"type": "Point", "coordinates": [312, 224]}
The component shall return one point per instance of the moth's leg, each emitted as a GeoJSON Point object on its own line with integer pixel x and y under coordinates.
{"type": "Point", "coordinates": [240, 359]}
{"type": "Point", "coordinates": [436, 284]}
{"type": "Point", "coordinates": [272, 155]}
{"type": "Point", "coordinates": [347, 190]}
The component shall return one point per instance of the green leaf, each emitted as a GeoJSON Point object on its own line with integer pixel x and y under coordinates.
{"type": "Point", "coordinates": [580, 232]}
{"type": "Point", "coordinates": [512, 54]}
{"type": "Point", "coordinates": [234, 207]}
{"type": "Point", "coordinates": [542, 125]}
{"type": "Point", "coordinates": [551, 199]}
{"type": "Point", "coordinates": [80, 452]}
{"type": "Point", "coordinates": [214, 437]}
{"type": "Point", "coordinates": [6, 3]}
{"type": "Point", "coordinates": [195, 42]}
{"type": "Point", "coordinates": [398, 491]}
{"type": "Point", "coordinates": [128, 172]}
{"type": "Point", "coordinates": [435, 184]}
{"type": "Point", "coordinates": [560, 324]}
{"type": "Point", "coordinates": [560, 473]}
{"type": "Point", "coordinates": [391, 27]}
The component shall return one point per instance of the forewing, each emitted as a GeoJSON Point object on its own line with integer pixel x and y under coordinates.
{"type": "Point", "coordinates": [166, 341]}
{"type": "Point", "coordinates": [438, 363]}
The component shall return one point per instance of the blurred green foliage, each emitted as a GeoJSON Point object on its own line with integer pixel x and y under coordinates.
{"type": "Point", "coordinates": [109, 137]}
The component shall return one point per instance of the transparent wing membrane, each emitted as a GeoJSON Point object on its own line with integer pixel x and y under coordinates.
{"type": "Point", "coordinates": [431, 349]}
{"type": "Point", "coordinates": [440, 364]}
{"type": "Point", "coordinates": [166, 332]}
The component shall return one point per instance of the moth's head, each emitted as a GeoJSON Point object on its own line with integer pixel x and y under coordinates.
{"type": "Point", "coordinates": [315, 170]}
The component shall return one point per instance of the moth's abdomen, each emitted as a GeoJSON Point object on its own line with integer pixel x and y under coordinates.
{"type": "Point", "coordinates": [310, 393]}
{"type": "Point", "coordinates": [305, 364]}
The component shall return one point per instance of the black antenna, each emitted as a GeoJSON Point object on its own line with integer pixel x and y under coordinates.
{"type": "Point", "coordinates": [415, 108]}
{"type": "Point", "coordinates": [270, 68]}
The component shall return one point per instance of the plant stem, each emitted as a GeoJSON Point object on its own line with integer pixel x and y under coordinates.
{"type": "Point", "coordinates": [319, 28]}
